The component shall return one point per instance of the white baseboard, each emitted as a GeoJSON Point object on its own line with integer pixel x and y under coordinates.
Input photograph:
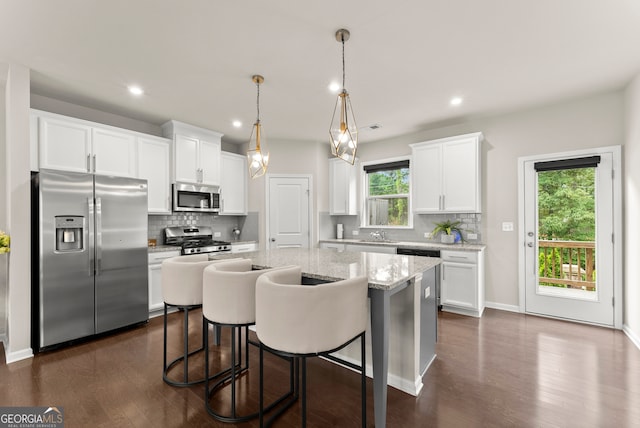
{"type": "Point", "coordinates": [635, 339]}
{"type": "Point", "coordinates": [405, 385]}
{"type": "Point", "coordinates": [22, 354]}
{"type": "Point", "coordinates": [502, 306]}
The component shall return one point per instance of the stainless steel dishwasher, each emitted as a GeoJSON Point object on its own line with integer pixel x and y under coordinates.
{"type": "Point", "coordinates": [423, 252]}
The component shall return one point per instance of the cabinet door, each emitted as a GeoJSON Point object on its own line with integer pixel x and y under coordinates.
{"type": "Point", "coordinates": [187, 167]}
{"type": "Point", "coordinates": [426, 178]}
{"type": "Point", "coordinates": [64, 145]}
{"type": "Point", "coordinates": [114, 153]}
{"type": "Point", "coordinates": [210, 162]}
{"type": "Point", "coordinates": [459, 285]}
{"type": "Point", "coordinates": [155, 287]}
{"type": "Point", "coordinates": [233, 184]}
{"type": "Point", "coordinates": [153, 166]}
{"type": "Point", "coordinates": [460, 179]}
{"type": "Point", "coordinates": [343, 198]}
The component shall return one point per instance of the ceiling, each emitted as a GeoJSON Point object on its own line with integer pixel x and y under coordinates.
{"type": "Point", "coordinates": [405, 60]}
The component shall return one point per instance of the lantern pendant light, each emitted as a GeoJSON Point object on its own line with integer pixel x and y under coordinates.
{"type": "Point", "coordinates": [343, 131]}
{"type": "Point", "coordinates": [257, 156]}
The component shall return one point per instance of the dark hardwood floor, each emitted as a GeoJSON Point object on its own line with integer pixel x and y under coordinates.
{"type": "Point", "coordinates": [504, 369]}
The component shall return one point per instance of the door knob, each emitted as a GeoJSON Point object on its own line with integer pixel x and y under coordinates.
{"type": "Point", "coordinates": [273, 239]}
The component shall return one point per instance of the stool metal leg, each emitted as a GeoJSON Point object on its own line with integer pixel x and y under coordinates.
{"type": "Point", "coordinates": [364, 381]}
{"type": "Point", "coordinates": [304, 392]}
{"type": "Point", "coordinates": [186, 353]}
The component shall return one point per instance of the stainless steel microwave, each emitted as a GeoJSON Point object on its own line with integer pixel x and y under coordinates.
{"type": "Point", "coordinates": [196, 197]}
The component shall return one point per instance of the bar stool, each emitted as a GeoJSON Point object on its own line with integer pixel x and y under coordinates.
{"type": "Point", "coordinates": [303, 321]}
{"type": "Point", "coordinates": [182, 288]}
{"type": "Point", "coordinates": [229, 290]}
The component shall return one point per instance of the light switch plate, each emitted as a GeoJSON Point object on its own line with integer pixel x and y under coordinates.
{"type": "Point", "coordinates": [355, 233]}
{"type": "Point", "coordinates": [472, 236]}
{"type": "Point", "coordinates": [427, 235]}
{"type": "Point", "coordinates": [217, 234]}
{"type": "Point", "coordinates": [507, 226]}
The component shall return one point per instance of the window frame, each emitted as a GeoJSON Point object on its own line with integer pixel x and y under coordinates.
{"type": "Point", "coordinates": [364, 194]}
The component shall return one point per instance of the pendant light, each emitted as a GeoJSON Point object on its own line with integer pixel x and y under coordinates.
{"type": "Point", "coordinates": [257, 157]}
{"type": "Point", "coordinates": [343, 130]}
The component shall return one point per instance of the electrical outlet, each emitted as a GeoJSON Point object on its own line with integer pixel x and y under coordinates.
{"type": "Point", "coordinates": [472, 236]}
{"type": "Point", "coordinates": [427, 235]}
{"type": "Point", "coordinates": [217, 234]}
{"type": "Point", "coordinates": [507, 226]}
{"type": "Point", "coordinates": [427, 292]}
{"type": "Point", "coordinates": [355, 233]}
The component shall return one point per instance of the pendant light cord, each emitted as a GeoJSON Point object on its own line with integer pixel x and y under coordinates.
{"type": "Point", "coordinates": [343, 73]}
{"type": "Point", "coordinates": [258, 102]}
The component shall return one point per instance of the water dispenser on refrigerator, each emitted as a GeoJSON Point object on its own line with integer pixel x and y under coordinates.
{"type": "Point", "coordinates": [69, 233]}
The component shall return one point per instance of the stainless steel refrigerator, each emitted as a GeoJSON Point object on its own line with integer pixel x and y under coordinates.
{"type": "Point", "coordinates": [89, 255]}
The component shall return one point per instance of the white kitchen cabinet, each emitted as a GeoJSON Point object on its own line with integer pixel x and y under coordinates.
{"type": "Point", "coordinates": [446, 175]}
{"type": "Point", "coordinates": [244, 247]}
{"type": "Point", "coordinates": [332, 245]}
{"type": "Point", "coordinates": [114, 152]}
{"type": "Point", "coordinates": [196, 154]}
{"type": "Point", "coordinates": [371, 248]}
{"type": "Point", "coordinates": [233, 184]}
{"type": "Point", "coordinates": [156, 303]}
{"type": "Point", "coordinates": [343, 178]}
{"type": "Point", "coordinates": [64, 144]}
{"type": "Point", "coordinates": [462, 282]}
{"type": "Point", "coordinates": [154, 163]}
{"type": "Point", "coordinates": [69, 144]}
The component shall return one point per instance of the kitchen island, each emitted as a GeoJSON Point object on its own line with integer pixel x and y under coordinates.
{"type": "Point", "coordinates": [403, 313]}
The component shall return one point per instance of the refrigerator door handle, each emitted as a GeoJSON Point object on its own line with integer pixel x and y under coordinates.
{"type": "Point", "coordinates": [98, 235]}
{"type": "Point", "coordinates": [89, 235]}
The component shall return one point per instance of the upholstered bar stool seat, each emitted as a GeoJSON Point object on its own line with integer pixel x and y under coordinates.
{"type": "Point", "coordinates": [182, 288]}
{"type": "Point", "coordinates": [229, 295]}
{"type": "Point", "coordinates": [310, 320]}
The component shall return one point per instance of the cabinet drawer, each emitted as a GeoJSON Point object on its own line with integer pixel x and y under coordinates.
{"type": "Point", "coordinates": [243, 248]}
{"type": "Point", "coordinates": [459, 256]}
{"type": "Point", "coordinates": [157, 258]}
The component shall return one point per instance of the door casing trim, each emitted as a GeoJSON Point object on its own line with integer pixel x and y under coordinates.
{"type": "Point", "coordinates": [267, 182]}
{"type": "Point", "coordinates": [616, 152]}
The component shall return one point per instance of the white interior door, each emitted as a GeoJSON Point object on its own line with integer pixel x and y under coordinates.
{"type": "Point", "coordinates": [288, 211]}
{"type": "Point", "coordinates": [569, 271]}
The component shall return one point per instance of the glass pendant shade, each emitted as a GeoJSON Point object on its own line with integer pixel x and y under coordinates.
{"type": "Point", "coordinates": [257, 157]}
{"type": "Point", "coordinates": [343, 131]}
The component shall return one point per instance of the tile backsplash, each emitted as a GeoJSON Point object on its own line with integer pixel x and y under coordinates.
{"type": "Point", "coordinates": [422, 223]}
{"type": "Point", "coordinates": [248, 225]}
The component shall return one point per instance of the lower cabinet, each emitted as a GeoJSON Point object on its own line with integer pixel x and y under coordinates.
{"type": "Point", "coordinates": [244, 247]}
{"type": "Point", "coordinates": [332, 246]}
{"type": "Point", "coordinates": [462, 282]}
{"type": "Point", "coordinates": [156, 303]}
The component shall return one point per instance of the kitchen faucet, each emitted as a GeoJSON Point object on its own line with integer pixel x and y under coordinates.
{"type": "Point", "coordinates": [378, 235]}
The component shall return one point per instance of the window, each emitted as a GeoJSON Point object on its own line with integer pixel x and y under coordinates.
{"type": "Point", "coordinates": [387, 194]}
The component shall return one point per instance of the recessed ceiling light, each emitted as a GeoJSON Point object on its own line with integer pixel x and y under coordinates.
{"type": "Point", "coordinates": [334, 87]}
{"type": "Point", "coordinates": [136, 90]}
{"type": "Point", "coordinates": [455, 101]}
{"type": "Point", "coordinates": [236, 124]}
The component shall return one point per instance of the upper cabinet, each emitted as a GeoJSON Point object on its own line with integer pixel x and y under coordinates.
{"type": "Point", "coordinates": [446, 175]}
{"type": "Point", "coordinates": [234, 184]}
{"type": "Point", "coordinates": [343, 179]}
{"type": "Point", "coordinates": [196, 153]}
{"type": "Point", "coordinates": [76, 145]}
{"type": "Point", "coordinates": [154, 165]}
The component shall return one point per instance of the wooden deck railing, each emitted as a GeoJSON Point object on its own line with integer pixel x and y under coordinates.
{"type": "Point", "coordinates": [569, 264]}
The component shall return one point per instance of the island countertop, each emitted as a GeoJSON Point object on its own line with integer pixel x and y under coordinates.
{"type": "Point", "coordinates": [384, 271]}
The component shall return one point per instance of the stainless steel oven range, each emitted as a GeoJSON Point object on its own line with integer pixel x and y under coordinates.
{"type": "Point", "coordinates": [195, 240]}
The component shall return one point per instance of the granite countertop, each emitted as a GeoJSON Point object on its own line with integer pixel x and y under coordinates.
{"type": "Point", "coordinates": [162, 248]}
{"type": "Point", "coordinates": [410, 244]}
{"type": "Point", "coordinates": [385, 271]}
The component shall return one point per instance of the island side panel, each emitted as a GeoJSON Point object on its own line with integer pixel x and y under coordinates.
{"type": "Point", "coordinates": [428, 318]}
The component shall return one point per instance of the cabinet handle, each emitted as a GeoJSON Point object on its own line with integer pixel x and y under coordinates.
{"type": "Point", "coordinates": [443, 203]}
{"type": "Point", "coordinates": [88, 163]}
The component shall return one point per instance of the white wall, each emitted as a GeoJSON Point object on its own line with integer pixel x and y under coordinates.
{"type": "Point", "coordinates": [3, 205]}
{"type": "Point", "coordinates": [592, 121]}
{"type": "Point", "coordinates": [631, 156]}
{"type": "Point", "coordinates": [18, 205]}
